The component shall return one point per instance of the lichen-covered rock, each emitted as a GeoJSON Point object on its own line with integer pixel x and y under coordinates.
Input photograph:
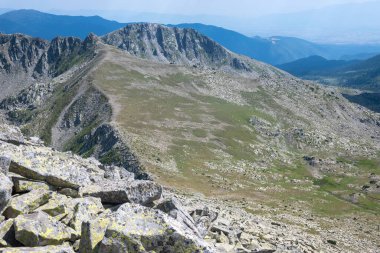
{"type": "Point", "coordinates": [122, 191]}
{"type": "Point", "coordinates": [175, 209]}
{"type": "Point", "coordinates": [204, 219]}
{"type": "Point", "coordinates": [5, 190]}
{"type": "Point", "coordinates": [11, 134]}
{"type": "Point", "coordinates": [46, 249]}
{"type": "Point", "coordinates": [85, 210]}
{"type": "Point", "coordinates": [134, 228]}
{"type": "Point", "coordinates": [39, 229]}
{"type": "Point", "coordinates": [117, 173]}
{"type": "Point", "coordinates": [56, 206]}
{"type": "Point", "coordinates": [69, 192]}
{"type": "Point", "coordinates": [27, 203]}
{"type": "Point", "coordinates": [58, 169]}
{"type": "Point", "coordinates": [5, 162]}
{"type": "Point", "coordinates": [22, 185]}
{"type": "Point", "coordinates": [7, 234]}
{"type": "Point", "coordinates": [92, 234]}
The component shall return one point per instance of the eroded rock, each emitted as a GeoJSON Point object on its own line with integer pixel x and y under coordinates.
{"type": "Point", "coordinates": [92, 234]}
{"type": "Point", "coordinates": [27, 203]}
{"type": "Point", "coordinates": [134, 228]}
{"type": "Point", "coordinates": [122, 191]}
{"type": "Point", "coordinates": [39, 229]}
{"type": "Point", "coordinates": [5, 190]}
{"type": "Point", "coordinates": [22, 185]}
{"type": "Point", "coordinates": [46, 249]}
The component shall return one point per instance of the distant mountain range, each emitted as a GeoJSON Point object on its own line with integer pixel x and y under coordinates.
{"type": "Point", "coordinates": [49, 26]}
{"type": "Point", "coordinates": [362, 74]}
{"type": "Point", "coordinates": [273, 50]}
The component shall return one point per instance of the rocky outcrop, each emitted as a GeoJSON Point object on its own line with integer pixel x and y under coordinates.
{"type": "Point", "coordinates": [121, 191]}
{"type": "Point", "coordinates": [71, 203]}
{"type": "Point", "coordinates": [175, 46]}
{"type": "Point", "coordinates": [40, 229]}
{"type": "Point", "coordinates": [135, 228]}
{"type": "Point", "coordinates": [24, 60]}
{"type": "Point", "coordinates": [5, 190]}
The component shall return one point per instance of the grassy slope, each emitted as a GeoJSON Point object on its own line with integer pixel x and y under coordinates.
{"type": "Point", "coordinates": [195, 141]}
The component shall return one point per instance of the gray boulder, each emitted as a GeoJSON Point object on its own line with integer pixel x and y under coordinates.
{"type": "Point", "coordinates": [204, 219]}
{"type": "Point", "coordinates": [5, 162]}
{"type": "Point", "coordinates": [117, 173]}
{"type": "Point", "coordinates": [92, 234]}
{"type": "Point", "coordinates": [39, 229]}
{"type": "Point", "coordinates": [85, 210]}
{"type": "Point", "coordinates": [46, 249]}
{"type": "Point", "coordinates": [134, 228]}
{"type": "Point", "coordinates": [27, 203]}
{"type": "Point", "coordinates": [7, 234]}
{"type": "Point", "coordinates": [11, 134]}
{"type": "Point", "coordinates": [122, 191]}
{"type": "Point", "coordinates": [6, 186]}
{"type": "Point", "coordinates": [175, 210]}
{"type": "Point", "coordinates": [22, 185]}
{"type": "Point", "coordinates": [62, 170]}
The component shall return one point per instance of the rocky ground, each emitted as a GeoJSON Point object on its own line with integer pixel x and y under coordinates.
{"type": "Point", "coordinates": [59, 202]}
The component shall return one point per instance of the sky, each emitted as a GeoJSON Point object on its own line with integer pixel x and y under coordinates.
{"type": "Point", "coordinates": [323, 21]}
{"type": "Point", "coordinates": [231, 8]}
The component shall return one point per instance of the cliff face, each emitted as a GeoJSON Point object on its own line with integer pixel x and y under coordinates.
{"type": "Point", "coordinates": [174, 45]}
{"type": "Point", "coordinates": [24, 60]}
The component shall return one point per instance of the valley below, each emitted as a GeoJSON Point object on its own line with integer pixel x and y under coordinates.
{"type": "Point", "coordinates": [294, 163]}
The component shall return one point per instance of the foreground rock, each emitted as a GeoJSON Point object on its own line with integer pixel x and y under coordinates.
{"type": "Point", "coordinates": [63, 170]}
{"type": "Point", "coordinates": [27, 203]}
{"type": "Point", "coordinates": [46, 249]}
{"type": "Point", "coordinates": [122, 191]}
{"type": "Point", "coordinates": [134, 228]}
{"type": "Point", "coordinates": [11, 134]}
{"type": "Point", "coordinates": [5, 190]}
{"type": "Point", "coordinates": [39, 229]}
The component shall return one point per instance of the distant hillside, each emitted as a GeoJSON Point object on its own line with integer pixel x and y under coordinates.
{"type": "Point", "coordinates": [48, 26]}
{"type": "Point", "coordinates": [273, 50]}
{"type": "Point", "coordinates": [355, 74]}
{"type": "Point", "coordinates": [314, 65]}
{"type": "Point", "coordinates": [278, 50]}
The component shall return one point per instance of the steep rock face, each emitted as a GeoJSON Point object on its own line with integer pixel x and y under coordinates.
{"type": "Point", "coordinates": [24, 60]}
{"type": "Point", "coordinates": [174, 45]}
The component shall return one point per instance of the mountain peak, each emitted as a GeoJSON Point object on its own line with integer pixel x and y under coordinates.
{"type": "Point", "coordinates": [174, 45]}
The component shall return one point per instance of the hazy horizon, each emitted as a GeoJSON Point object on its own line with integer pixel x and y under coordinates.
{"type": "Point", "coordinates": [327, 21]}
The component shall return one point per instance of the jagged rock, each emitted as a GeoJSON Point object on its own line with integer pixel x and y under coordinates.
{"type": "Point", "coordinates": [39, 229]}
{"type": "Point", "coordinates": [7, 234]}
{"type": "Point", "coordinates": [5, 162]}
{"type": "Point", "coordinates": [56, 206]}
{"type": "Point", "coordinates": [117, 173]}
{"type": "Point", "coordinates": [5, 190]}
{"type": "Point", "coordinates": [122, 191]}
{"type": "Point", "coordinates": [51, 169]}
{"type": "Point", "coordinates": [135, 228]}
{"type": "Point", "coordinates": [175, 209]}
{"type": "Point", "coordinates": [175, 46]}
{"type": "Point", "coordinates": [63, 170]}
{"type": "Point", "coordinates": [46, 249]}
{"type": "Point", "coordinates": [69, 192]}
{"type": "Point", "coordinates": [27, 203]}
{"type": "Point", "coordinates": [11, 134]}
{"type": "Point", "coordinates": [85, 210]}
{"type": "Point", "coordinates": [22, 185]}
{"type": "Point", "coordinates": [204, 219]}
{"type": "Point", "coordinates": [92, 234]}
